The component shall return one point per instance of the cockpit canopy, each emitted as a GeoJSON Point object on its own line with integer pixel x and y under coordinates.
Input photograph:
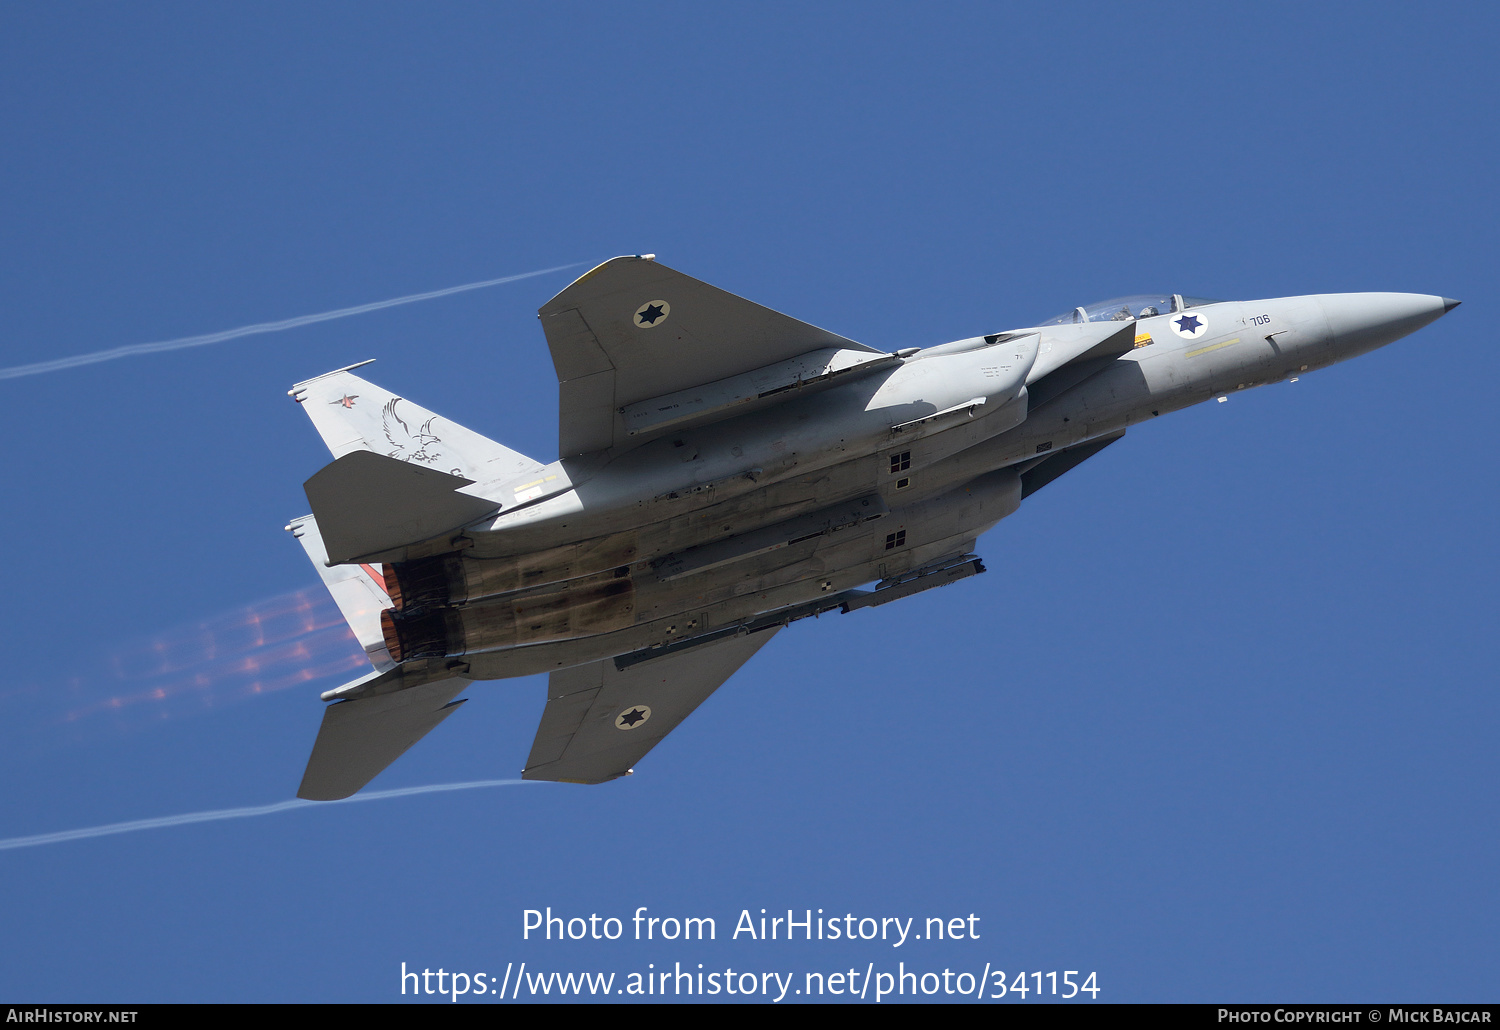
{"type": "Point", "coordinates": [1125, 309]}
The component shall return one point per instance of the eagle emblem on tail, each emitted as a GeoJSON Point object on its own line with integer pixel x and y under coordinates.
{"type": "Point", "coordinates": [419, 446]}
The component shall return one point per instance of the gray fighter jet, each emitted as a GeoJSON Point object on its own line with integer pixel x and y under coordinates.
{"type": "Point", "coordinates": [726, 470]}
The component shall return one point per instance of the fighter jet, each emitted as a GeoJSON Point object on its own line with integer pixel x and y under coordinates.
{"type": "Point", "coordinates": [725, 470]}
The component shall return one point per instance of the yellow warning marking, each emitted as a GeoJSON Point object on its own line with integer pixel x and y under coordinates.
{"type": "Point", "coordinates": [1144, 339]}
{"type": "Point", "coordinates": [535, 482]}
{"type": "Point", "coordinates": [1215, 346]}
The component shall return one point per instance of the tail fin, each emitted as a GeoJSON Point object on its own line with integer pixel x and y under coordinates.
{"type": "Point", "coordinates": [352, 414]}
{"type": "Point", "coordinates": [358, 590]}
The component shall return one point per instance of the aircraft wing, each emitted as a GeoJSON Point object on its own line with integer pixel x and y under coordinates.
{"type": "Point", "coordinates": [600, 721]}
{"type": "Point", "coordinates": [633, 329]}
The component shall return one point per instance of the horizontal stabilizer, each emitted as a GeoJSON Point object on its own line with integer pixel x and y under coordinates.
{"type": "Point", "coordinates": [633, 329]}
{"type": "Point", "coordinates": [352, 414]}
{"type": "Point", "coordinates": [358, 739]}
{"type": "Point", "coordinates": [599, 720]}
{"type": "Point", "coordinates": [367, 504]}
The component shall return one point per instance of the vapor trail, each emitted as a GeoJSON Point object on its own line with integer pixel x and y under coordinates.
{"type": "Point", "coordinates": [57, 365]}
{"type": "Point", "coordinates": [236, 813]}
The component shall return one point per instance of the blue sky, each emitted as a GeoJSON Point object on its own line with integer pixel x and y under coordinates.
{"type": "Point", "coordinates": [1219, 722]}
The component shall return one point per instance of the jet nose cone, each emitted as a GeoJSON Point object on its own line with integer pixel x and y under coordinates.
{"type": "Point", "coordinates": [1449, 304]}
{"type": "Point", "coordinates": [1361, 322]}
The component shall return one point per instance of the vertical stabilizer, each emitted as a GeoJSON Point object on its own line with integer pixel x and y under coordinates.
{"type": "Point", "coordinates": [358, 590]}
{"type": "Point", "coordinates": [352, 414]}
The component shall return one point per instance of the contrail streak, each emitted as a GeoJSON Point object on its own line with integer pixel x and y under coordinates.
{"type": "Point", "coordinates": [57, 365]}
{"type": "Point", "coordinates": [237, 813]}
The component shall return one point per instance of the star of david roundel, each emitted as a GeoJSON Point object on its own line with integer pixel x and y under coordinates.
{"type": "Point", "coordinates": [652, 314]}
{"type": "Point", "coordinates": [632, 717]}
{"type": "Point", "coordinates": [1189, 324]}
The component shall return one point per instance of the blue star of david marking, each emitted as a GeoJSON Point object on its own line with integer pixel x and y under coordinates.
{"type": "Point", "coordinates": [1189, 323]}
{"type": "Point", "coordinates": [650, 315]}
